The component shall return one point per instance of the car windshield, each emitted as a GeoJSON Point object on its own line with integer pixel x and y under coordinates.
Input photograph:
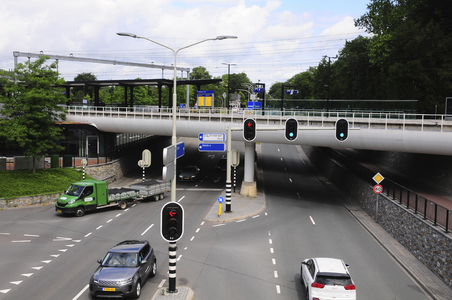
{"type": "Point", "coordinates": [74, 190]}
{"type": "Point", "coordinates": [341, 279]}
{"type": "Point", "coordinates": [120, 260]}
{"type": "Point", "coordinates": [189, 169]}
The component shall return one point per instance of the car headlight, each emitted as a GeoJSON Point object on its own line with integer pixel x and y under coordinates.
{"type": "Point", "coordinates": [126, 281]}
{"type": "Point", "coordinates": [72, 201]}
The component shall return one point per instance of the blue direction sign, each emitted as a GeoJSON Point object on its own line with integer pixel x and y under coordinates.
{"type": "Point", "coordinates": [212, 137]}
{"type": "Point", "coordinates": [254, 105]}
{"type": "Point", "coordinates": [220, 199]}
{"type": "Point", "coordinates": [180, 149]}
{"type": "Point", "coordinates": [221, 147]}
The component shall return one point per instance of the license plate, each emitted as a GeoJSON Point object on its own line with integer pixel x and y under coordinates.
{"type": "Point", "coordinates": [187, 178]}
{"type": "Point", "coordinates": [59, 211]}
{"type": "Point", "coordinates": [108, 289]}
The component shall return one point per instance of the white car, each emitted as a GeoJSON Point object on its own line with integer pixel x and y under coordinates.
{"type": "Point", "coordinates": [327, 279]}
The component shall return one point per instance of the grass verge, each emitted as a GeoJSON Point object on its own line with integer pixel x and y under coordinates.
{"type": "Point", "coordinates": [45, 181]}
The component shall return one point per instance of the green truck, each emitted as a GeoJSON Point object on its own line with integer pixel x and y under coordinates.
{"type": "Point", "coordinates": [91, 194]}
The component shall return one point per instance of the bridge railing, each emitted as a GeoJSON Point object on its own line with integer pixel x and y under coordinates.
{"type": "Point", "coordinates": [430, 210]}
{"type": "Point", "coordinates": [357, 119]}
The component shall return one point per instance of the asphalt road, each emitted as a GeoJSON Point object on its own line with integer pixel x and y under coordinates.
{"type": "Point", "coordinates": [45, 255]}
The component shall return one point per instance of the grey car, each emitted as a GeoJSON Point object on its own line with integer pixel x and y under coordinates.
{"type": "Point", "coordinates": [123, 270]}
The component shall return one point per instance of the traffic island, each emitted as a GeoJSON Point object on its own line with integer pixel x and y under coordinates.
{"type": "Point", "coordinates": [183, 293]}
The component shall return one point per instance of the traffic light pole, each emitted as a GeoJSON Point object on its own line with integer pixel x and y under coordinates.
{"type": "Point", "coordinates": [228, 173]}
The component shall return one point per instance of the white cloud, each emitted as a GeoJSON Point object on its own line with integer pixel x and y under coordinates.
{"type": "Point", "coordinates": [268, 37]}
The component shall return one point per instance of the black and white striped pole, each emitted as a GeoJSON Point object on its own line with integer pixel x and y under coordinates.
{"type": "Point", "coordinates": [235, 161]}
{"type": "Point", "coordinates": [172, 249]}
{"type": "Point", "coordinates": [84, 163]}
{"type": "Point", "coordinates": [228, 173]}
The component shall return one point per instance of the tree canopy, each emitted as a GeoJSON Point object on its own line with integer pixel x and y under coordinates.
{"type": "Point", "coordinates": [31, 111]}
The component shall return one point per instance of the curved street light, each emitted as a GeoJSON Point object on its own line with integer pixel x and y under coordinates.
{"type": "Point", "coordinates": [174, 139]}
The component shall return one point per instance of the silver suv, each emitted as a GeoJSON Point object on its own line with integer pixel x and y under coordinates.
{"type": "Point", "coordinates": [123, 270]}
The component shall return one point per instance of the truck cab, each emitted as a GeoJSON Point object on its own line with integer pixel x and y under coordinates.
{"type": "Point", "coordinates": [83, 196]}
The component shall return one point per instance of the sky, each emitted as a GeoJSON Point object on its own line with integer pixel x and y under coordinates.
{"type": "Point", "coordinates": [276, 39]}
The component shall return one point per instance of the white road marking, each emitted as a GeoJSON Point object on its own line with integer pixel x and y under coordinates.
{"type": "Point", "coordinates": [33, 235]}
{"type": "Point", "coordinates": [270, 241]}
{"type": "Point", "coordinates": [77, 241]}
{"type": "Point", "coordinates": [99, 227]}
{"type": "Point", "coordinates": [46, 261]}
{"type": "Point", "coordinates": [278, 289]}
{"type": "Point", "coordinates": [109, 220]}
{"type": "Point", "coordinates": [275, 273]}
{"type": "Point", "coordinates": [180, 256]}
{"type": "Point", "coordinates": [265, 213]}
{"type": "Point", "coordinates": [312, 220]}
{"type": "Point", "coordinates": [273, 261]}
{"type": "Point", "coordinates": [290, 179]}
{"type": "Point", "coordinates": [70, 245]}
{"type": "Point", "coordinates": [185, 248]}
{"type": "Point", "coordinates": [126, 209]}
{"type": "Point", "coordinates": [202, 223]}
{"type": "Point", "coordinates": [269, 233]}
{"type": "Point", "coordinates": [88, 234]}
{"type": "Point", "coordinates": [192, 238]}
{"type": "Point", "coordinates": [117, 215]}
{"type": "Point", "coordinates": [181, 199]}
{"type": "Point", "coordinates": [281, 159]}
{"type": "Point", "coordinates": [81, 292]}
{"type": "Point", "coordinates": [27, 274]}
{"type": "Point", "coordinates": [54, 255]}
{"type": "Point", "coordinates": [147, 229]}
{"type": "Point", "coordinates": [218, 225]}
{"type": "Point", "coordinates": [257, 216]}
{"type": "Point", "coordinates": [243, 220]}
{"type": "Point", "coordinates": [134, 205]}
{"type": "Point", "coordinates": [5, 291]}
{"type": "Point", "coordinates": [5, 233]}
{"type": "Point", "coordinates": [272, 251]}
{"type": "Point", "coordinates": [37, 268]}
{"type": "Point", "coordinates": [62, 250]}
{"type": "Point", "coordinates": [16, 282]}
{"type": "Point", "coordinates": [162, 283]}
{"type": "Point", "coordinates": [197, 230]}
{"type": "Point", "coordinates": [278, 150]}
{"type": "Point", "coordinates": [21, 241]}
{"type": "Point", "coordinates": [298, 195]}
{"type": "Point", "coordinates": [59, 239]}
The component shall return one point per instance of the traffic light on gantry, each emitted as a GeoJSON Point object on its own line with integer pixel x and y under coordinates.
{"type": "Point", "coordinates": [341, 130]}
{"type": "Point", "coordinates": [172, 222]}
{"type": "Point", "coordinates": [249, 130]}
{"type": "Point", "coordinates": [291, 130]}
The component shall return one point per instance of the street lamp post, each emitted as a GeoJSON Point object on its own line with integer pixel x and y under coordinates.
{"type": "Point", "coordinates": [172, 246]}
{"type": "Point", "coordinates": [229, 70]}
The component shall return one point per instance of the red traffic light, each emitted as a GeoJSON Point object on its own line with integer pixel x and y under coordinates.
{"type": "Point", "coordinates": [249, 130]}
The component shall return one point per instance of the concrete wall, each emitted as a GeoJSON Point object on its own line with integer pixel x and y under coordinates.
{"type": "Point", "coordinates": [430, 244]}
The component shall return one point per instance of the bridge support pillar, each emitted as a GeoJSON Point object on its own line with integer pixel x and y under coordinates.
{"type": "Point", "coordinates": [249, 187]}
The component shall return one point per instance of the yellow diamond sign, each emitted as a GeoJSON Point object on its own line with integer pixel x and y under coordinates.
{"type": "Point", "coordinates": [378, 178]}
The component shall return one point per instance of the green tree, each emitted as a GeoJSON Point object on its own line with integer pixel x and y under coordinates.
{"type": "Point", "coordinates": [200, 73]}
{"type": "Point", "coordinates": [84, 90]}
{"type": "Point", "coordinates": [411, 45]}
{"type": "Point", "coordinates": [31, 108]}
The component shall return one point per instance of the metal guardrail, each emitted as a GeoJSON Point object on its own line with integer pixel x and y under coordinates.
{"type": "Point", "coordinates": [430, 210]}
{"type": "Point", "coordinates": [357, 119]}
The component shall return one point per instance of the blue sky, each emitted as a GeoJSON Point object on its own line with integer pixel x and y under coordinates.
{"type": "Point", "coordinates": [276, 38]}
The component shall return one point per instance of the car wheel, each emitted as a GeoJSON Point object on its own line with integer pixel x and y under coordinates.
{"type": "Point", "coordinates": [154, 269]}
{"type": "Point", "coordinates": [161, 196]}
{"type": "Point", "coordinates": [123, 204]}
{"type": "Point", "coordinates": [137, 290]}
{"type": "Point", "coordinates": [80, 211]}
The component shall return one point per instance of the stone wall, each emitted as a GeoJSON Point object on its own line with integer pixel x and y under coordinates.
{"type": "Point", "coordinates": [430, 244]}
{"type": "Point", "coordinates": [29, 200]}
